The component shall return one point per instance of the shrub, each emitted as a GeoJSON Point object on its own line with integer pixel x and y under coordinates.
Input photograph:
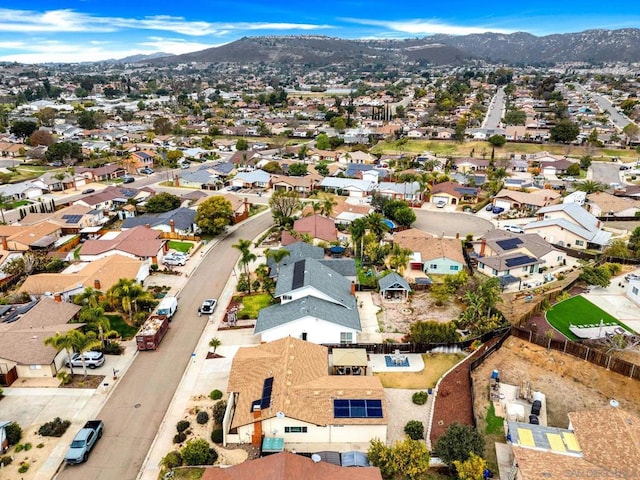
{"type": "Point", "coordinates": [217, 436]}
{"type": "Point", "coordinates": [179, 437]}
{"type": "Point", "coordinates": [154, 267]}
{"type": "Point", "coordinates": [414, 429]}
{"type": "Point", "coordinates": [215, 394]}
{"type": "Point", "coordinates": [64, 377]}
{"type": "Point", "coordinates": [40, 445]}
{"type": "Point", "coordinates": [54, 428]}
{"type": "Point", "coordinates": [182, 425]}
{"type": "Point", "coordinates": [6, 460]}
{"type": "Point", "coordinates": [198, 452]}
{"type": "Point", "coordinates": [218, 412]}
{"type": "Point", "coordinates": [14, 433]}
{"type": "Point", "coordinates": [1, 393]}
{"type": "Point", "coordinates": [19, 448]}
{"type": "Point", "coordinates": [172, 459]}
{"type": "Point", "coordinates": [420, 398]}
{"type": "Point", "coordinates": [112, 348]}
{"type": "Point", "coordinates": [202, 417]}
{"type": "Point", "coordinates": [24, 466]}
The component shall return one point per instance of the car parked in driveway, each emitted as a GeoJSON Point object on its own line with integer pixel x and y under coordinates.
{"type": "Point", "coordinates": [513, 228]}
{"type": "Point", "coordinates": [631, 276]}
{"type": "Point", "coordinates": [88, 190]}
{"type": "Point", "coordinates": [441, 204]}
{"type": "Point", "coordinates": [128, 179]}
{"type": "Point", "coordinates": [497, 210]}
{"type": "Point", "coordinates": [173, 260]}
{"type": "Point", "coordinates": [146, 171]}
{"type": "Point", "coordinates": [91, 359]}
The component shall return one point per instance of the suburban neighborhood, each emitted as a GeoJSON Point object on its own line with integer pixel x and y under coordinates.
{"type": "Point", "coordinates": [239, 275]}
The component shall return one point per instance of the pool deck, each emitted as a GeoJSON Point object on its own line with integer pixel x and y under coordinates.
{"type": "Point", "coordinates": [377, 363]}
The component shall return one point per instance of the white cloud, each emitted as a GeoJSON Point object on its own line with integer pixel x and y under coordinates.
{"type": "Point", "coordinates": [66, 20]}
{"type": "Point", "coordinates": [426, 27]}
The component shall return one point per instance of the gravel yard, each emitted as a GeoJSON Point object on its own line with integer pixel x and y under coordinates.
{"type": "Point", "coordinates": [402, 409]}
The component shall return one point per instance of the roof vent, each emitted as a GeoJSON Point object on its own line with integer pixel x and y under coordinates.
{"type": "Point", "coordinates": [316, 458]}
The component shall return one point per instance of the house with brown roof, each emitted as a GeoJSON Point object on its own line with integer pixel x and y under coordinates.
{"type": "Point", "coordinates": [39, 237]}
{"type": "Point", "coordinates": [138, 242]}
{"type": "Point", "coordinates": [532, 201]}
{"type": "Point", "coordinates": [139, 160]}
{"type": "Point", "coordinates": [23, 330]}
{"type": "Point", "coordinates": [71, 219]}
{"type": "Point", "coordinates": [453, 193]}
{"type": "Point", "coordinates": [303, 185]}
{"type": "Point", "coordinates": [603, 204]}
{"type": "Point", "coordinates": [321, 229]}
{"type": "Point", "coordinates": [287, 465]}
{"type": "Point", "coordinates": [101, 274]}
{"type": "Point", "coordinates": [280, 393]}
{"type": "Point", "coordinates": [602, 443]}
{"type": "Point", "coordinates": [101, 174]}
{"type": "Point", "coordinates": [433, 255]}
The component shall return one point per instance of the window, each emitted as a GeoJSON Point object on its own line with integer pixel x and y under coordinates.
{"type": "Point", "coordinates": [433, 266]}
{"type": "Point", "coordinates": [559, 258]}
{"type": "Point", "coordinates": [346, 337]}
{"type": "Point", "coordinates": [525, 269]}
{"type": "Point", "coordinates": [580, 243]}
{"type": "Point", "coordinates": [295, 429]}
{"type": "Point", "coordinates": [494, 272]}
{"type": "Point", "coordinates": [634, 290]}
{"type": "Point", "coordinates": [454, 267]}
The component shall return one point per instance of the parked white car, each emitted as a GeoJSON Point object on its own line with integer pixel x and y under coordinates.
{"type": "Point", "coordinates": [91, 359]}
{"type": "Point", "coordinates": [514, 228]}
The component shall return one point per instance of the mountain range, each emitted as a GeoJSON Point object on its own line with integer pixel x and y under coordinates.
{"type": "Point", "coordinates": [593, 46]}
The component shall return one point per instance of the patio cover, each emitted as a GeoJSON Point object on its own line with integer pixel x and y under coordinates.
{"type": "Point", "coordinates": [349, 357]}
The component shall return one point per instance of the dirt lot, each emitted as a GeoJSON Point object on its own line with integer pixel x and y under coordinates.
{"type": "Point", "coordinates": [569, 384]}
{"type": "Point", "coordinates": [396, 316]}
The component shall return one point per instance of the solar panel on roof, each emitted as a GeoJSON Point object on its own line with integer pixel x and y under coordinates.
{"type": "Point", "coordinates": [345, 408]}
{"type": "Point", "coordinates": [265, 402]}
{"type": "Point", "coordinates": [72, 218]}
{"type": "Point", "coordinates": [298, 275]}
{"type": "Point", "coordinates": [517, 261]}
{"type": "Point", "coordinates": [509, 243]}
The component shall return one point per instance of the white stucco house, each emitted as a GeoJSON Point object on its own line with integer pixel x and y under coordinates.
{"type": "Point", "coordinates": [317, 304]}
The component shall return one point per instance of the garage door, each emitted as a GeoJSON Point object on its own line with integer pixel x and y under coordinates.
{"type": "Point", "coordinates": [436, 199]}
{"type": "Point", "coordinates": [503, 203]}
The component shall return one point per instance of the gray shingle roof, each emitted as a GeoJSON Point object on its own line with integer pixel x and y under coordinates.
{"type": "Point", "coordinates": [297, 251]}
{"type": "Point", "coordinates": [344, 266]}
{"type": "Point", "coordinates": [277, 315]}
{"type": "Point", "coordinates": [183, 219]}
{"type": "Point", "coordinates": [327, 281]}
{"type": "Point", "coordinates": [389, 280]}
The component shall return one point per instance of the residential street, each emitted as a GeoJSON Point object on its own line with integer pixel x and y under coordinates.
{"type": "Point", "coordinates": [135, 410]}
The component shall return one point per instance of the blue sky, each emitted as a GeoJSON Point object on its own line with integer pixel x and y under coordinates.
{"type": "Point", "coordinates": [71, 31]}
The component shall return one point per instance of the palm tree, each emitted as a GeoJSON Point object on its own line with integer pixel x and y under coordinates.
{"type": "Point", "coordinates": [399, 258]}
{"type": "Point", "coordinates": [326, 207]}
{"type": "Point", "coordinates": [214, 343]}
{"type": "Point", "coordinates": [88, 297]}
{"type": "Point", "coordinates": [82, 343]}
{"type": "Point", "coordinates": [125, 293]}
{"type": "Point", "coordinates": [590, 186]}
{"type": "Point", "coordinates": [358, 228]}
{"type": "Point", "coordinates": [246, 257]}
{"type": "Point", "coordinates": [278, 256]}
{"type": "Point", "coordinates": [376, 224]}
{"type": "Point", "coordinates": [61, 342]}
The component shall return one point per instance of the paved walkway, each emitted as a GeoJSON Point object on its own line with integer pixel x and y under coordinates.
{"type": "Point", "coordinates": [368, 319]}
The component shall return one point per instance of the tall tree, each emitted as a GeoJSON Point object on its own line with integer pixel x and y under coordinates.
{"type": "Point", "coordinates": [246, 257]}
{"type": "Point", "coordinates": [277, 256]}
{"type": "Point", "coordinates": [62, 342]}
{"type": "Point", "coordinates": [214, 214]}
{"type": "Point", "coordinates": [376, 224]}
{"type": "Point", "coordinates": [82, 343]}
{"type": "Point", "coordinates": [283, 204]}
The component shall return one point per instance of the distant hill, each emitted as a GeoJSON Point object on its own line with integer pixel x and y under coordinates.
{"type": "Point", "coordinates": [593, 46]}
{"type": "Point", "coordinates": [320, 51]}
{"type": "Point", "coordinates": [140, 58]}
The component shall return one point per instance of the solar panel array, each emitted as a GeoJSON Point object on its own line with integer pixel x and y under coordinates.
{"type": "Point", "coordinates": [509, 243]}
{"type": "Point", "coordinates": [265, 400]}
{"type": "Point", "coordinates": [72, 218]}
{"type": "Point", "coordinates": [521, 260]}
{"type": "Point", "coordinates": [357, 408]}
{"type": "Point", "coordinates": [298, 274]}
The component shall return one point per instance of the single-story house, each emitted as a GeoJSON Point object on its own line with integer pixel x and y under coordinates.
{"type": "Point", "coordinates": [433, 255]}
{"type": "Point", "coordinates": [453, 193]}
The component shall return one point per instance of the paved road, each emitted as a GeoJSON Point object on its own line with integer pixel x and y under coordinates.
{"type": "Point", "coordinates": [495, 113]}
{"type": "Point", "coordinates": [451, 224]}
{"type": "Point", "coordinates": [135, 410]}
{"type": "Point", "coordinates": [605, 172]}
{"type": "Point", "coordinates": [618, 119]}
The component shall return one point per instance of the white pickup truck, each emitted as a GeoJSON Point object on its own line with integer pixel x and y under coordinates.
{"type": "Point", "coordinates": [83, 442]}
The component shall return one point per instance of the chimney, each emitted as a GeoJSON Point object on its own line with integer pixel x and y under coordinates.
{"type": "Point", "coordinates": [57, 297]}
{"type": "Point", "coordinates": [256, 438]}
{"type": "Point", "coordinates": [4, 243]}
{"type": "Point", "coordinates": [482, 247]}
{"type": "Point", "coordinates": [147, 225]}
{"type": "Point", "coordinates": [353, 289]}
{"type": "Point", "coordinates": [172, 225]}
{"type": "Point", "coordinates": [96, 284]}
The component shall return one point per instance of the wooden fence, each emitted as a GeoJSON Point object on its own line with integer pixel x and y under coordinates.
{"type": "Point", "coordinates": [578, 350]}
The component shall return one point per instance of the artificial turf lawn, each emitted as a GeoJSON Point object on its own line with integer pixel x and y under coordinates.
{"type": "Point", "coordinates": [577, 311]}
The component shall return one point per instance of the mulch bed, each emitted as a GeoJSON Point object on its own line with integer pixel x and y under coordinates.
{"type": "Point", "coordinates": [213, 355]}
{"type": "Point", "coordinates": [78, 381]}
{"type": "Point", "coordinates": [454, 400]}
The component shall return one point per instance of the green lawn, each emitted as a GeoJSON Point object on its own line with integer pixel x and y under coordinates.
{"type": "Point", "coordinates": [125, 330]}
{"type": "Point", "coordinates": [251, 304]}
{"type": "Point", "coordinates": [183, 247]}
{"type": "Point", "coordinates": [363, 278]}
{"type": "Point", "coordinates": [494, 424]}
{"type": "Point", "coordinates": [577, 311]}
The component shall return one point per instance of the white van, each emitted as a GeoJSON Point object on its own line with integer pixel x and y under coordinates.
{"type": "Point", "coordinates": [168, 307]}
